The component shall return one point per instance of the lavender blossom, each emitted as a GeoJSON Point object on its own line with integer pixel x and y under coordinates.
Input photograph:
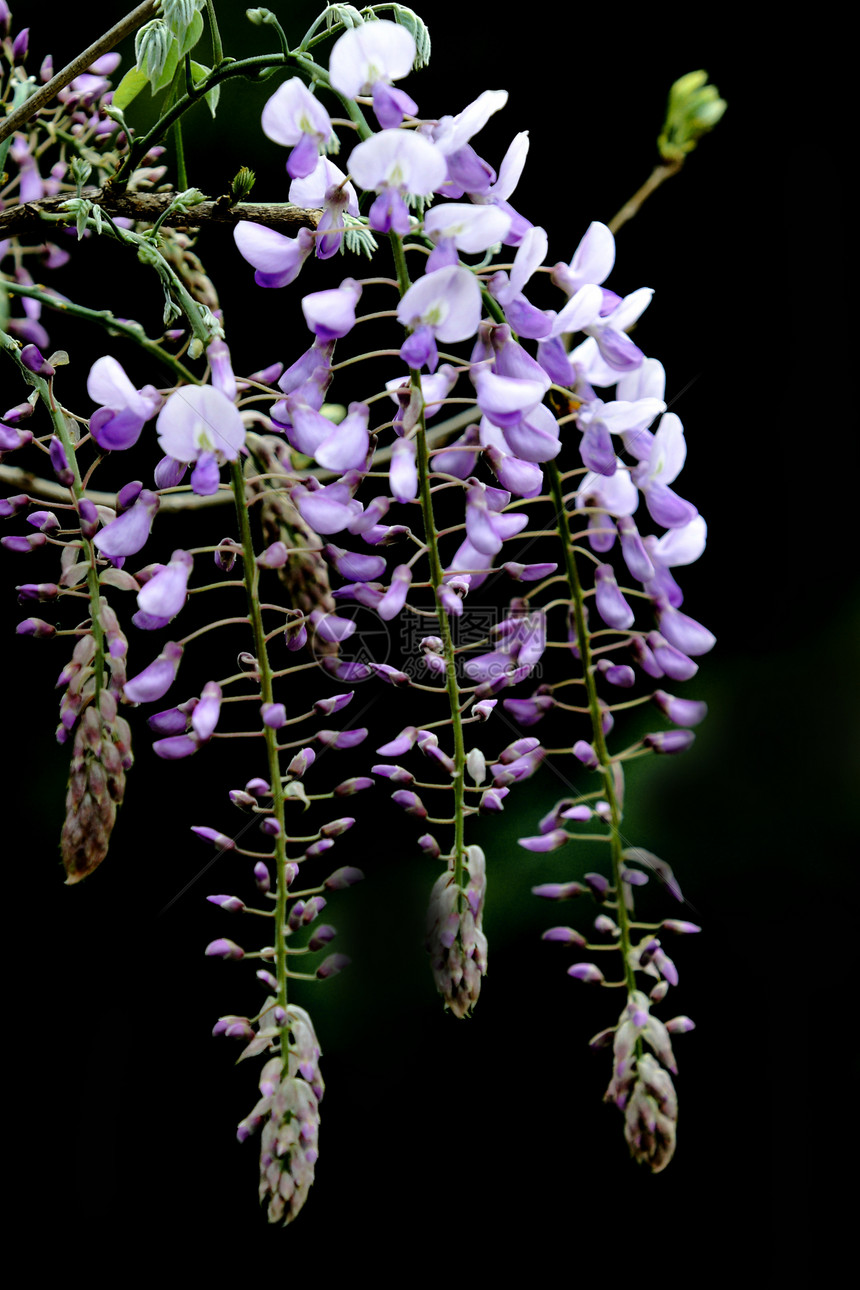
{"type": "Point", "coordinates": [295, 118]}
{"type": "Point", "coordinates": [199, 424]}
{"type": "Point", "coordinates": [117, 424]}
{"type": "Point", "coordinates": [366, 59]}
{"type": "Point", "coordinates": [128, 533]}
{"type": "Point", "coordinates": [393, 164]}
{"type": "Point", "coordinates": [277, 259]}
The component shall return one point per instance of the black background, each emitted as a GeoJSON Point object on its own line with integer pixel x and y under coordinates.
{"type": "Point", "coordinates": [450, 1146]}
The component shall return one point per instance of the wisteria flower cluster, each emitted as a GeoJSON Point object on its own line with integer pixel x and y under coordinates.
{"type": "Point", "coordinates": [520, 436]}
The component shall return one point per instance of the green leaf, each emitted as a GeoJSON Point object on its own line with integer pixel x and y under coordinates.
{"type": "Point", "coordinates": [417, 28]}
{"type": "Point", "coordinates": [129, 88]}
{"type": "Point", "coordinates": [169, 69]}
{"type": "Point", "coordinates": [192, 34]}
{"type": "Point", "coordinates": [199, 73]}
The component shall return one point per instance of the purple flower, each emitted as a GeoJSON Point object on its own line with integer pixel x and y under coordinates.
{"type": "Point", "coordinates": [12, 438]}
{"type": "Point", "coordinates": [669, 741]}
{"type": "Point", "coordinates": [331, 314]}
{"type": "Point", "coordinates": [498, 193]}
{"type": "Point", "coordinates": [686, 634]}
{"type": "Point", "coordinates": [175, 747]}
{"type": "Point", "coordinates": [60, 462]}
{"type": "Point", "coordinates": [528, 712]}
{"type": "Point", "coordinates": [611, 605]}
{"type": "Point", "coordinates": [346, 445]}
{"type": "Point", "coordinates": [609, 331]}
{"type": "Point", "coordinates": [276, 257]}
{"type": "Point", "coordinates": [589, 972]}
{"type": "Point", "coordinates": [295, 118]}
{"type": "Point", "coordinates": [658, 468]}
{"type": "Point", "coordinates": [599, 420]}
{"type": "Point", "coordinates": [366, 59]}
{"type": "Point", "coordinates": [128, 533]}
{"type": "Point", "coordinates": [392, 164]}
{"type": "Point", "coordinates": [329, 188]}
{"type": "Point", "coordinates": [199, 424]}
{"type": "Point", "coordinates": [462, 226]}
{"type": "Point", "coordinates": [375, 51]}
{"type": "Point", "coordinates": [679, 546]}
{"type": "Point", "coordinates": [403, 471]}
{"type": "Point", "coordinates": [545, 841]}
{"type": "Point", "coordinates": [395, 598]}
{"type": "Point", "coordinates": [163, 595]}
{"type": "Point", "coordinates": [342, 738]}
{"type": "Point", "coordinates": [451, 134]}
{"type": "Point", "coordinates": [224, 949]}
{"type": "Point", "coordinates": [592, 260]}
{"type": "Point", "coordinates": [523, 317]}
{"type": "Point", "coordinates": [447, 302]}
{"type": "Point", "coordinates": [684, 712]}
{"type": "Point", "coordinates": [154, 681]}
{"type": "Point", "coordinates": [355, 566]}
{"type": "Point", "coordinates": [117, 424]}
{"type": "Point", "coordinates": [328, 509]}
{"type": "Point", "coordinates": [204, 718]}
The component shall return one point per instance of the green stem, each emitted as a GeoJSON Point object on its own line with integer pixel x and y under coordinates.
{"type": "Point", "coordinates": [181, 172]}
{"type": "Point", "coordinates": [437, 574]}
{"type": "Point", "coordinates": [246, 67]}
{"type": "Point", "coordinates": [104, 318]}
{"type": "Point", "coordinates": [252, 576]}
{"type": "Point", "coordinates": [203, 332]}
{"type": "Point", "coordinates": [605, 764]}
{"type": "Point", "coordinates": [658, 176]}
{"type": "Point", "coordinates": [214, 34]}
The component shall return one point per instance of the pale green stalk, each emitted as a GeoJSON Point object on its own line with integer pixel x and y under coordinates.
{"type": "Point", "coordinates": [252, 577]}
{"type": "Point", "coordinates": [431, 537]}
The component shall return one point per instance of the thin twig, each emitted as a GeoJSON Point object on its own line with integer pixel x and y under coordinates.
{"type": "Point", "coordinates": [658, 176]}
{"type": "Point", "coordinates": [17, 119]}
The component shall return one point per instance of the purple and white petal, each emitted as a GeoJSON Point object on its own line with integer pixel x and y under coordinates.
{"type": "Point", "coordinates": [448, 301]}
{"type": "Point", "coordinates": [374, 51]}
{"type": "Point", "coordinates": [198, 419]}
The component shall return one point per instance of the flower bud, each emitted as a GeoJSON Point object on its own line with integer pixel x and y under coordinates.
{"type": "Point", "coordinates": [224, 949]}
{"type": "Point", "coordinates": [35, 627]}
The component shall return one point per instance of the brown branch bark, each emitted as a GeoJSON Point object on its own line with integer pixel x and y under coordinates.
{"type": "Point", "coordinates": [149, 206]}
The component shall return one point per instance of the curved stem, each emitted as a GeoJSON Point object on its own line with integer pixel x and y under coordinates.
{"type": "Point", "coordinates": [104, 318]}
{"type": "Point", "coordinates": [436, 574]}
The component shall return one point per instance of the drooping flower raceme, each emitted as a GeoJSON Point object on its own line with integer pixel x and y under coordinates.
{"type": "Point", "coordinates": [505, 427]}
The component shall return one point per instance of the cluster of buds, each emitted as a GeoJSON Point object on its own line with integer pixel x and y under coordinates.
{"type": "Point", "coordinates": [101, 755]}
{"type": "Point", "coordinates": [641, 1085]}
{"type": "Point", "coordinates": [289, 1104]}
{"type": "Point", "coordinates": [288, 1150]}
{"type": "Point", "coordinates": [455, 939]}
